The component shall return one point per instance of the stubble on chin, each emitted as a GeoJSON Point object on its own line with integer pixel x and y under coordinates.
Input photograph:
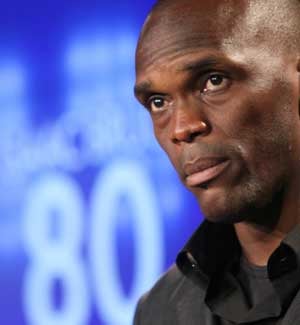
{"type": "Point", "coordinates": [244, 203]}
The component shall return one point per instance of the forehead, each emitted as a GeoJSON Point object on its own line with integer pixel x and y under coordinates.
{"type": "Point", "coordinates": [184, 26]}
{"type": "Point", "coordinates": [228, 26]}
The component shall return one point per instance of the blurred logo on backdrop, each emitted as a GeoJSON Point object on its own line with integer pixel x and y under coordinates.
{"type": "Point", "coordinates": [84, 193]}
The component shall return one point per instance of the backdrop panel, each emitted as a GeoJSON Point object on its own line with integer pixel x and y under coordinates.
{"type": "Point", "coordinates": [91, 211]}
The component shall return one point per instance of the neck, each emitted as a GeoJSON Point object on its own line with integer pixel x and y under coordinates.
{"type": "Point", "coordinates": [259, 240]}
{"type": "Point", "coordinates": [257, 244]}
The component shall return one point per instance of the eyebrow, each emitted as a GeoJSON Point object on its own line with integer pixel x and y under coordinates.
{"type": "Point", "coordinates": [142, 88]}
{"type": "Point", "coordinates": [196, 65]}
{"type": "Point", "coordinates": [200, 64]}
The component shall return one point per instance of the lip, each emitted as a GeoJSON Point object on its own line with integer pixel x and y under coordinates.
{"type": "Point", "coordinates": [204, 170]}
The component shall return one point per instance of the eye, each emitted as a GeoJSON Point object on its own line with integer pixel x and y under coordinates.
{"type": "Point", "coordinates": [156, 103]}
{"type": "Point", "coordinates": [215, 83]}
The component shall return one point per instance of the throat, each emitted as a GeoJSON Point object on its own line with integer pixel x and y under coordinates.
{"type": "Point", "coordinates": [259, 236]}
{"type": "Point", "coordinates": [257, 244]}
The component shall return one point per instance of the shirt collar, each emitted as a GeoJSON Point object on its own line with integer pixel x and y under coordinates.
{"type": "Point", "coordinates": [212, 246]}
{"type": "Point", "coordinates": [214, 249]}
{"type": "Point", "coordinates": [209, 248]}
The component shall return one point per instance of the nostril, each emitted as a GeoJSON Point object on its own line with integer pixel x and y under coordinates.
{"type": "Point", "coordinates": [181, 135]}
{"type": "Point", "coordinates": [188, 132]}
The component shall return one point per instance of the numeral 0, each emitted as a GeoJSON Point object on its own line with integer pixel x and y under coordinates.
{"type": "Point", "coordinates": [123, 177]}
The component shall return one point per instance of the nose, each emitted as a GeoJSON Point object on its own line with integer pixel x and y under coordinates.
{"type": "Point", "coordinates": [187, 125]}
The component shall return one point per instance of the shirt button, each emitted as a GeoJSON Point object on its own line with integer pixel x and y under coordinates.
{"type": "Point", "coordinates": [193, 263]}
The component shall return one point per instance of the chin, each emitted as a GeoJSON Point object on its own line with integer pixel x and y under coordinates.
{"type": "Point", "coordinates": [222, 216]}
{"type": "Point", "coordinates": [233, 205]}
{"type": "Point", "coordinates": [221, 213]}
{"type": "Point", "coordinates": [218, 213]}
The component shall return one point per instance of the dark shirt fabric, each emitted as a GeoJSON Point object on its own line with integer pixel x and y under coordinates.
{"type": "Point", "coordinates": [211, 284]}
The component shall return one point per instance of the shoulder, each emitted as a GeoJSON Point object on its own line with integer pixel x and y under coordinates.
{"type": "Point", "coordinates": [159, 304]}
{"type": "Point", "coordinates": [165, 286]}
{"type": "Point", "coordinates": [155, 300]}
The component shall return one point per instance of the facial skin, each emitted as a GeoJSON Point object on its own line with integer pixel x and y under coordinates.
{"type": "Point", "coordinates": [223, 92]}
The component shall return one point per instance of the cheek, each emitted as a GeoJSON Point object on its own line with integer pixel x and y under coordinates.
{"type": "Point", "coordinates": [162, 138]}
{"type": "Point", "coordinates": [259, 125]}
{"type": "Point", "coordinates": [258, 113]}
{"type": "Point", "coordinates": [160, 135]}
{"type": "Point", "coordinates": [172, 150]}
{"type": "Point", "coordinates": [253, 121]}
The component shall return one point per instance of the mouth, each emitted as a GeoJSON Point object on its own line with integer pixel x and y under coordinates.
{"type": "Point", "coordinates": [204, 170]}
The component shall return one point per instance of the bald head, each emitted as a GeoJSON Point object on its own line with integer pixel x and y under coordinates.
{"type": "Point", "coordinates": [221, 78]}
{"type": "Point", "coordinates": [187, 23]}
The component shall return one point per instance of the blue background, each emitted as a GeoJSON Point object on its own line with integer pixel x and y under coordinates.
{"type": "Point", "coordinates": [91, 211]}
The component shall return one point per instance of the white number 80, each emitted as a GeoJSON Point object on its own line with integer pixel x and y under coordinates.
{"type": "Point", "coordinates": [60, 256]}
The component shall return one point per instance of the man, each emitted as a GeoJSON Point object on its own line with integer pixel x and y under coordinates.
{"type": "Point", "coordinates": [221, 80]}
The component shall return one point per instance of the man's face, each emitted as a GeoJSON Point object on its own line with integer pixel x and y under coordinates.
{"type": "Point", "coordinates": [224, 103]}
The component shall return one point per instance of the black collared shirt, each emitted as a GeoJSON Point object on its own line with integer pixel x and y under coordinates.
{"type": "Point", "coordinates": [234, 291]}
